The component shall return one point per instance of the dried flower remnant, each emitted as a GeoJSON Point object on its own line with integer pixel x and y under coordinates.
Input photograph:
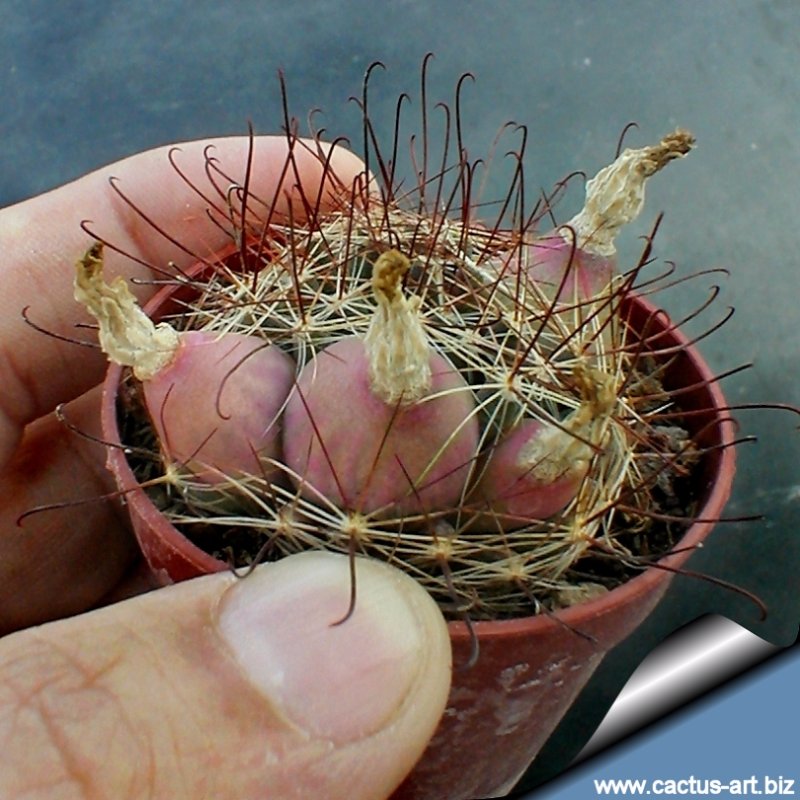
{"type": "Point", "coordinates": [214, 399]}
{"type": "Point", "coordinates": [382, 423]}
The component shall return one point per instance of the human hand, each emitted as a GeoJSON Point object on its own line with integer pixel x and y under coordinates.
{"type": "Point", "coordinates": [214, 688]}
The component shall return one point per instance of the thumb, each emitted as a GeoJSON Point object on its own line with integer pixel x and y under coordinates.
{"type": "Point", "coordinates": [227, 688]}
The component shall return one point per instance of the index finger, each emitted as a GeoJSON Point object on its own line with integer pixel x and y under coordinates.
{"type": "Point", "coordinates": [42, 239]}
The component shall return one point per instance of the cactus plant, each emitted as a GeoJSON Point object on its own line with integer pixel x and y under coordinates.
{"type": "Point", "coordinates": [469, 403]}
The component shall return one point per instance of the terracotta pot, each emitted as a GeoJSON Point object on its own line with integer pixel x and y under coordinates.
{"type": "Point", "coordinates": [530, 670]}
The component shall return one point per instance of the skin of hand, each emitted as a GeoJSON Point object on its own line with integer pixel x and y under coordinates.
{"type": "Point", "coordinates": [218, 687]}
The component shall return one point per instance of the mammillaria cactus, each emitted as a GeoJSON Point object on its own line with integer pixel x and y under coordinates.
{"type": "Point", "coordinates": [469, 400]}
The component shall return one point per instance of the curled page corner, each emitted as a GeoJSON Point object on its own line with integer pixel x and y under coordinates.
{"type": "Point", "coordinates": [690, 662]}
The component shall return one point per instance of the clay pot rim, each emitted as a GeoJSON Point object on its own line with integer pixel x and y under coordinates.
{"type": "Point", "coordinates": [573, 616]}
